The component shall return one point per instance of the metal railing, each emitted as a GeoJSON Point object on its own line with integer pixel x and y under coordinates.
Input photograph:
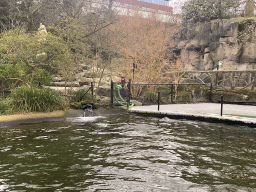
{"type": "Point", "coordinates": [171, 92]}
{"type": "Point", "coordinates": [91, 88]}
{"type": "Point", "coordinates": [233, 79]}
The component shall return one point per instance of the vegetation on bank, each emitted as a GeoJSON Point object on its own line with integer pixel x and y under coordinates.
{"type": "Point", "coordinates": [26, 100]}
{"type": "Point", "coordinates": [81, 101]}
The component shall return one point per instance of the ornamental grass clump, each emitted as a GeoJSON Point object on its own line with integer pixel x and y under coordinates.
{"type": "Point", "coordinates": [26, 99]}
{"type": "Point", "coordinates": [3, 107]}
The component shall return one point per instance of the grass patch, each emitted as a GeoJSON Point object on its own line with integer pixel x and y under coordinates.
{"type": "Point", "coordinates": [17, 117]}
{"type": "Point", "coordinates": [26, 99]}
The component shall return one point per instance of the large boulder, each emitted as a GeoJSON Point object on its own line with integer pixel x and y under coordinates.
{"type": "Point", "coordinates": [248, 53]}
{"type": "Point", "coordinates": [208, 62]}
{"type": "Point", "coordinates": [229, 28]}
{"type": "Point", "coordinates": [233, 41]}
{"type": "Point", "coordinates": [223, 51]}
{"type": "Point", "coordinates": [104, 90]}
{"type": "Point", "coordinates": [204, 36]}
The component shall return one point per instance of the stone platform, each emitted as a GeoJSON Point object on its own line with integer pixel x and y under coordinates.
{"type": "Point", "coordinates": [232, 114]}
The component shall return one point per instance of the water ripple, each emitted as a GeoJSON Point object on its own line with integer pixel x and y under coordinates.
{"type": "Point", "coordinates": [127, 153]}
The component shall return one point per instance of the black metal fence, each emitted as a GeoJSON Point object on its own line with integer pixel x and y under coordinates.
{"type": "Point", "coordinates": [90, 89]}
{"type": "Point", "coordinates": [121, 93]}
{"type": "Point", "coordinates": [126, 93]}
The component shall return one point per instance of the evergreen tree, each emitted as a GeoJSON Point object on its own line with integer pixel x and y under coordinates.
{"type": "Point", "coordinates": [4, 15]}
{"type": "Point", "coordinates": [205, 10]}
{"type": "Point", "coordinates": [34, 51]}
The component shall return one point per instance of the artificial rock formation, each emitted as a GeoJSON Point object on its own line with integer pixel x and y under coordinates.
{"type": "Point", "coordinates": [231, 41]}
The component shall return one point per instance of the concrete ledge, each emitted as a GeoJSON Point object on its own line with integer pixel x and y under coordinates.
{"type": "Point", "coordinates": [195, 115]}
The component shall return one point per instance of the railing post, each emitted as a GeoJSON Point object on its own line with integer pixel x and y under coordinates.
{"type": "Point", "coordinates": [172, 93]}
{"type": "Point", "coordinates": [158, 100]}
{"type": "Point", "coordinates": [112, 94]}
{"type": "Point", "coordinates": [129, 93]}
{"type": "Point", "coordinates": [92, 89]}
{"type": "Point", "coordinates": [210, 94]}
{"type": "Point", "coordinates": [221, 108]}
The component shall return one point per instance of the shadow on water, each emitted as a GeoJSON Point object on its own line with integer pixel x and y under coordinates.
{"type": "Point", "coordinates": [127, 153]}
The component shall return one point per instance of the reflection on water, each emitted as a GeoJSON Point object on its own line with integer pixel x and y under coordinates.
{"type": "Point", "coordinates": [127, 153]}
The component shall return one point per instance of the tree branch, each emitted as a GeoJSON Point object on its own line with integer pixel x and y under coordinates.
{"type": "Point", "coordinates": [22, 77]}
{"type": "Point", "coordinates": [98, 29]}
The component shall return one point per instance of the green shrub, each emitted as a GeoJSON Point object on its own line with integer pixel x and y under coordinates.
{"type": "Point", "coordinates": [150, 96]}
{"type": "Point", "coordinates": [195, 11]}
{"type": "Point", "coordinates": [43, 77]}
{"type": "Point", "coordinates": [184, 93]}
{"type": "Point", "coordinates": [3, 107]}
{"type": "Point", "coordinates": [78, 94]}
{"type": "Point", "coordinates": [106, 103]}
{"type": "Point", "coordinates": [84, 105]}
{"type": "Point", "coordinates": [13, 72]}
{"type": "Point", "coordinates": [26, 99]}
{"type": "Point", "coordinates": [86, 100]}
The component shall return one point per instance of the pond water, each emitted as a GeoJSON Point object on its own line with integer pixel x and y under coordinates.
{"type": "Point", "coordinates": [127, 153]}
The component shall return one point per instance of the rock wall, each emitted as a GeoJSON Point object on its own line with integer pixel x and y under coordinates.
{"type": "Point", "coordinates": [231, 41]}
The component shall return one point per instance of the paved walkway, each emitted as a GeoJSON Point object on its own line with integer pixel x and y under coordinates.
{"type": "Point", "coordinates": [240, 114]}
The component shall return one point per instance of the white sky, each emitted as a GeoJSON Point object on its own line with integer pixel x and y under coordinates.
{"type": "Point", "coordinates": [177, 5]}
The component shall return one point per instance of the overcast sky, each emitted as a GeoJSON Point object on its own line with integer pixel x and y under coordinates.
{"type": "Point", "coordinates": [176, 4]}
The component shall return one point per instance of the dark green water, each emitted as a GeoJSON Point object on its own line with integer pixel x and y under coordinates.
{"type": "Point", "coordinates": [128, 153]}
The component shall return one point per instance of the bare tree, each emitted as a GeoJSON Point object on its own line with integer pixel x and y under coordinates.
{"type": "Point", "coordinates": [144, 43]}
